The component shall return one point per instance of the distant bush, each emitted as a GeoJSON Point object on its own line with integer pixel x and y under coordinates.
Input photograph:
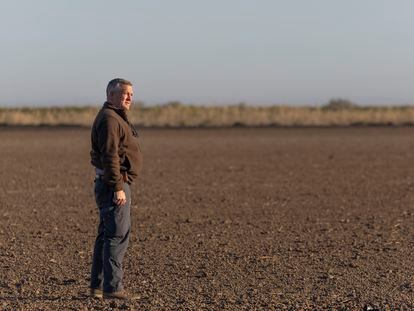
{"type": "Point", "coordinates": [339, 104]}
{"type": "Point", "coordinates": [338, 112]}
{"type": "Point", "coordinates": [173, 104]}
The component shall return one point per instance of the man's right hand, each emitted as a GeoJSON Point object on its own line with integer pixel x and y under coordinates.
{"type": "Point", "coordinates": [119, 197]}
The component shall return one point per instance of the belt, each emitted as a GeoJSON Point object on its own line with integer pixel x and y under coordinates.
{"type": "Point", "coordinates": [99, 171]}
{"type": "Point", "coordinates": [100, 174]}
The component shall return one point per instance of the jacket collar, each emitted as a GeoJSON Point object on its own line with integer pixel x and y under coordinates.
{"type": "Point", "coordinates": [120, 112]}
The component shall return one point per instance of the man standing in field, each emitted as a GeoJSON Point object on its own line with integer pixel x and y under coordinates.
{"type": "Point", "coordinates": [117, 158]}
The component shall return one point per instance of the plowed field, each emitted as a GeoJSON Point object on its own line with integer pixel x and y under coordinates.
{"type": "Point", "coordinates": [237, 219]}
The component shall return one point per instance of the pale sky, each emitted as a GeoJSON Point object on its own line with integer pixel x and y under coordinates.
{"type": "Point", "coordinates": [207, 52]}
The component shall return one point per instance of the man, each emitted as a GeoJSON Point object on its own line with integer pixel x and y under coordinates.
{"type": "Point", "coordinates": [117, 159]}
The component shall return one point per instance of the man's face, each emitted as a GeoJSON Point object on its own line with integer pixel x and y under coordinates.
{"type": "Point", "coordinates": [121, 98]}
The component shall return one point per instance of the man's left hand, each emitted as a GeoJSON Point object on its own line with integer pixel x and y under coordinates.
{"type": "Point", "coordinates": [119, 197]}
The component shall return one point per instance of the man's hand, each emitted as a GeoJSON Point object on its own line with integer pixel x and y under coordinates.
{"type": "Point", "coordinates": [119, 197]}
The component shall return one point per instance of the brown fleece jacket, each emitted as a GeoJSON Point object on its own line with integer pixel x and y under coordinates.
{"type": "Point", "coordinates": [115, 146]}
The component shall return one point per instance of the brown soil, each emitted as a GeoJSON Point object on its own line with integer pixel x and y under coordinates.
{"type": "Point", "coordinates": [238, 219]}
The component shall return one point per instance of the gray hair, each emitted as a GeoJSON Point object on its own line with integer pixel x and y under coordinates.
{"type": "Point", "coordinates": [116, 84]}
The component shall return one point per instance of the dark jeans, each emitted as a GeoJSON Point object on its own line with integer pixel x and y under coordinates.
{"type": "Point", "coordinates": [112, 239]}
